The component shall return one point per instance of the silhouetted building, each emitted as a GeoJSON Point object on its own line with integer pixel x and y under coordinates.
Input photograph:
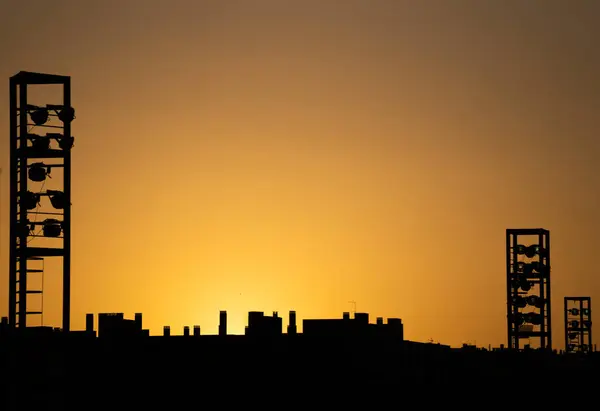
{"type": "Point", "coordinates": [114, 325]}
{"type": "Point", "coordinates": [260, 325]}
{"type": "Point", "coordinates": [166, 331]}
{"type": "Point", "coordinates": [196, 331]}
{"type": "Point", "coordinates": [186, 331]}
{"type": "Point", "coordinates": [358, 327]}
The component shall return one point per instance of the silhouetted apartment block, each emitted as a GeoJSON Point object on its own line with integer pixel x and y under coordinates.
{"type": "Point", "coordinates": [186, 331]}
{"type": "Point", "coordinates": [115, 325]}
{"type": "Point", "coordinates": [166, 331]}
{"type": "Point", "coordinates": [223, 323]}
{"type": "Point", "coordinates": [339, 327]}
{"type": "Point", "coordinates": [261, 325]}
{"type": "Point", "coordinates": [358, 327]}
{"type": "Point", "coordinates": [292, 329]}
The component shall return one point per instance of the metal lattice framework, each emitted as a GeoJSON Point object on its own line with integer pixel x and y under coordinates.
{"type": "Point", "coordinates": [528, 287]}
{"type": "Point", "coordinates": [578, 324]}
{"type": "Point", "coordinates": [40, 194]}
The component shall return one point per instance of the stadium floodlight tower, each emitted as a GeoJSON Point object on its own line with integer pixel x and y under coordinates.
{"type": "Point", "coordinates": [528, 287]}
{"type": "Point", "coordinates": [40, 207]}
{"type": "Point", "coordinates": [578, 324]}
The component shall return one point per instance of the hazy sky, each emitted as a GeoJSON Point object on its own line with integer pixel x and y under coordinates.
{"type": "Point", "coordinates": [276, 155]}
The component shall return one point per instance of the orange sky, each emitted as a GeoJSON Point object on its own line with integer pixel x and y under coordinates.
{"type": "Point", "coordinates": [267, 155]}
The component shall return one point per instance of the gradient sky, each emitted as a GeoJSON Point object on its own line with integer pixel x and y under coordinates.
{"type": "Point", "coordinates": [277, 155]}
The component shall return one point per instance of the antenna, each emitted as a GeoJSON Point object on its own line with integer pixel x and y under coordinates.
{"type": "Point", "coordinates": [354, 305]}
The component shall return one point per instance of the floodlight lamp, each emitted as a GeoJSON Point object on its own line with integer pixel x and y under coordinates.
{"type": "Point", "coordinates": [52, 228]}
{"type": "Point", "coordinates": [66, 143]}
{"type": "Point", "coordinates": [39, 116]}
{"type": "Point", "coordinates": [573, 336]}
{"type": "Point", "coordinates": [30, 200]}
{"type": "Point", "coordinates": [37, 172]}
{"type": "Point", "coordinates": [528, 269]}
{"type": "Point", "coordinates": [67, 114]}
{"type": "Point", "coordinates": [538, 266]}
{"type": "Point", "coordinates": [587, 324]}
{"type": "Point", "coordinates": [586, 311]}
{"type": "Point", "coordinates": [57, 199]}
{"type": "Point", "coordinates": [531, 251]}
{"type": "Point", "coordinates": [524, 284]}
{"type": "Point", "coordinates": [519, 319]}
{"type": "Point", "coordinates": [23, 230]}
{"type": "Point", "coordinates": [39, 142]}
{"type": "Point", "coordinates": [574, 324]}
{"type": "Point", "coordinates": [533, 318]}
{"type": "Point", "coordinates": [535, 301]}
{"type": "Point", "coordinates": [519, 301]}
{"type": "Point", "coordinates": [574, 311]}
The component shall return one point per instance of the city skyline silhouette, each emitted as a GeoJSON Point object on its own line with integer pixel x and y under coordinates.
{"type": "Point", "coordinates": [311, 156]}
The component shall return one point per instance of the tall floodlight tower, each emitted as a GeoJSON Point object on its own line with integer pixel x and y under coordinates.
{"type": "Point", "coordinates": [40, 194]}
{"type": "Point", "coordinates": [578, 324]}
{"type": "Point", "coordinates": [528, 287]}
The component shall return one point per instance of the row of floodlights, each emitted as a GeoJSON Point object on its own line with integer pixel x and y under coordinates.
{"type": "Point", "coordinates": [531, 251]}
{"type": "Point", "coordinates": [533, 300]}
{"type": "Point", "coordinates": [572, 347]}
{"type": "Point", "coordinates": [575, 311]}
{"type": "Point", "coordinates": [532, 318]}
{"type": "Point", "coordinates": [529, 268]}
{"type": "Point", "coordinates": [50, 228]}
{"type": "Point", "coordinates": [41, 143]}
{"type": "Point", "coordinates": [523, 283]}
{"type": "Point", "coordinates": [30, 200]}
{"type": "Point", "coordinates": [585, 324]}
{"type": "Point", "coordinates": [40, 115]}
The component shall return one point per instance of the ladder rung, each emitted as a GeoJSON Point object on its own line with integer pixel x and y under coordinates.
{"type": "Point", "coordinates": [33, 313]}
{"type": "Point", "coordinates": [35, 271]}
{"type": "Point", "coordinates": [34, 291]}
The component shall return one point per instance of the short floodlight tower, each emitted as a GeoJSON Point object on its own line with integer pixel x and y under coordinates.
{"type": "Point", "coordinates": [40, 207]}
{"type": "Point", "coordinates": [528, 287]}
{"type": "Point", "coordinates": [578, 324]}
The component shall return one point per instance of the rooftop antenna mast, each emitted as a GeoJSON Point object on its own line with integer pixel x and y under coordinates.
{"type": "Point", "coordinates": [353, 305]}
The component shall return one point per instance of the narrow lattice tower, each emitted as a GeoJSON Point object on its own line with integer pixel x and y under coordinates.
{"type": "Point", "coordinates": [578, 324]}
{"type": "Point", "coordinates": [40, 194]}
{"type": "Point", "coordinates": [528, 287]}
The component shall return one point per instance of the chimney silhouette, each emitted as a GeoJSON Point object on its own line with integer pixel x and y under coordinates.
{"type": "Point", "coordinates": [186, 331]}
{"type": "Point", "coordinates": [223, 323]}
{"type": "Point", "coordinates": [89, 323]}
{"type": "Point", "coordinates": [138, 321]}
{"type": "Point", "coordinates": [292, 330]}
